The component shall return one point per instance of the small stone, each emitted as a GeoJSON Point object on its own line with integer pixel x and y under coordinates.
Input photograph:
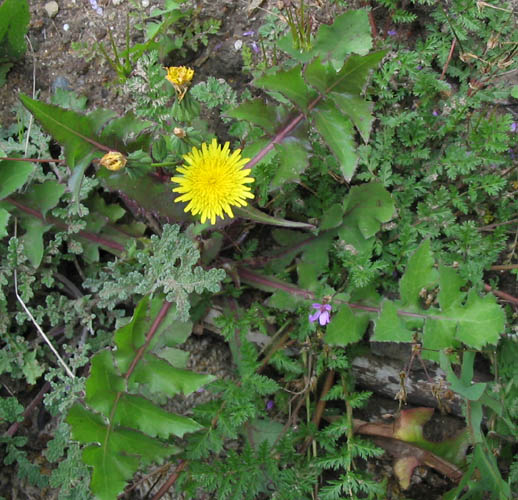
{"type": "Point", "coordinates": [60, 83]}
{"type": "Point", "coordinates": [117, 2]}
{"type": "Point", "coordinates": [51, 8]}
{"type": "Point", "coordinates": [238, 44]}
{"type": "Point", "coordinates": [145, 4]}
{"type": "Point", "coordinates": [66, 27]}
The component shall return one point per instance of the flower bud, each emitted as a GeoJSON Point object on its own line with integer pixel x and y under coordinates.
{"type": "Point", "coordinates": [179, 132]}
{"type": "Point", "coordinates": [113, 161]}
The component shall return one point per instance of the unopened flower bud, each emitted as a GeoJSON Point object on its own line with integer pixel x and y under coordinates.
{"type": "Point", "coordinates": [113, 161]}
{"type": "Point", "coordinates": [179, 132]}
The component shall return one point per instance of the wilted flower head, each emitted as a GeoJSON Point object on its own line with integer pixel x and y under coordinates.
{"type": "Point", "coordinates": [113, 161]}
{"type": "Point", "coordinates": [213, 180]}
{"type": "Point", "coordinates": [322, 313]}
{"type": "Point", "coordinates": [180, 77]}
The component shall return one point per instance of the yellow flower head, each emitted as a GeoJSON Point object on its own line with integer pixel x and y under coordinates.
{"type": "Point", "coordinates": [180, 77]}
{"type": "Point", "coordinates": [213, 181]}
{"type": "Point", "coordinates": [113, 161]}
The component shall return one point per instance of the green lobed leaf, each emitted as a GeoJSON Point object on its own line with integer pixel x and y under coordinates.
{"type": "Point", "coordinates": [15, 17]}
{"type": "Point", "coordinates": [366, 207]}
{"type": "Point", "coordinates": [162, 377]}
{"type": "Point", "coordinates": [357, 109]}
{"type": "Point", "coordinates": [293, 160]}
{"type": "Point", "coordinates": [290, 84]}
{"type": "Point", "coordinates": [258, 112]}
{"type": "Point", "coordinates": [118, 456]}
{"type": "Point", "coordinates": [331, 44]}
{"type": "Point", "coordinates": [4, 219]}
{"type": "Point", "coordinates": [314, 261]}
{"type": "Point", "coordinates": [13, 175]}
{"type": "Point", "coordinates": [104, 383]}
{"type": "Point", "coordinates": [345, 327]}
{"type": "Point", "coordinates": [389, 327]}
{"type": "Point", "coordinates": [419, 274]}
{"type": "Point", "coordinates": [136, 411]}
{"type": "Point", "coordinates": [124, 431]}
{"type": "Point", "coordinates": [464, 385]}
{"type": "Point", "coordinates": [332, 217]}
{"type": "Point", "coordinates": [44, 196]}
{"type": "Point", "coordinates": [119, 132]}
{"type": "Point", "coordinates": [337, 131]}
{"type": "Point", "coordinates": [71, 129]}
{"type": "Point", "coordinates": [33, 239]}
{"type": "Point", "coordinates": [480, 321]}
{"type": "Point", "coordinates": [132, 336]}
{"type": "Point", "coordinates": [353, 77]}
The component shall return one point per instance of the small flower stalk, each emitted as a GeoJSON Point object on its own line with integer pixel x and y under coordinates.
{"type": "Point", "coordinates": [180, 77]}
{"type": "Point", "coordinates": [213, 181]}
{"type": "Point", "coordinates": [113, 161]}
{"type": "Point", "coordinates": [322, 313]}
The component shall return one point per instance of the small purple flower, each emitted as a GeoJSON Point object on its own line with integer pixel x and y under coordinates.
{"type": "Point", "coordinates": [419, 68]}
{"type": "Point", "coordinates": [270, 404]}
{"type": "Point", "coordinates": [255, 48]}
{"type": "Point", "coordinates": [249, 33]}
{"type": "Point", "coordinates": [391, 32]}
{"type": "Point", "coordinates": [322, 313]}
{"type": "Point", "coordinates": [514, 126]}
{"type": "Point", "coordinates": [435, 112]}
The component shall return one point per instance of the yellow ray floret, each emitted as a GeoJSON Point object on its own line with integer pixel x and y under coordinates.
{"type": "Point", "coordinates": [213, 181]}
{"type": "Point", "coordinates": [180, 77]}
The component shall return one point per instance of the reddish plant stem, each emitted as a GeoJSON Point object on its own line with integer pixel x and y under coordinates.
{"type": "Point", "coordinates": [34, 160]}
{"type": "Point", "coordinates": [13, 429]}
{"type": "Point", "coordinates": [94, 238]}
{"type": "Point", "coordinates": [320, 407]}
{"type": "Point", "coordinates": [281, 135]}
{"type": "Point", "coordinates": [502, 295]}
{"type": "Point", "coordinates": [450, 55]}
{"type": "Point", "coordinates": [154, 327]}
{"type": "Point", "coordinates": [172, 479]}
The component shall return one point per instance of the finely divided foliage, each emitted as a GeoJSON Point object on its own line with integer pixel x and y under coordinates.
{"type": "Point", "coordinates": [376, 208]}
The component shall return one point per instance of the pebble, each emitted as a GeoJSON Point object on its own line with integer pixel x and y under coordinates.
{"type": "Point", "coordinates": [66, 27]}
{"type": "Point", "coordinates": [51, 8]}
{"type": "Point", "coordinates": [145, 3]}
{"type": "Point", "coordinates": [60, 83]}
{"type": "Point", "coordinates": [238, 44]}
{"type": "Point", "coordinates": [117, 2]}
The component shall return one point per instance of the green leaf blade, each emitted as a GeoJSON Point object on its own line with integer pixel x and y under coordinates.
{"type": "Point", "coordinates": [346, 327]}
{"type": "Point", "coordinates": [337, 131]}
{"type": "Point", "coordinates": [13, 175]}
{"type": "Point", "coordinates": [290, 84]}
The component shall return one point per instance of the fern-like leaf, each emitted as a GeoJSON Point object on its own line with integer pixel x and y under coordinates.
{"type": "Point", "coordinates": [123, 429]}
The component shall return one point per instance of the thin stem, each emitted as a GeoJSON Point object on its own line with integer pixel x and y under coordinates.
{"type": "Point", "coordinates": [40, 331]}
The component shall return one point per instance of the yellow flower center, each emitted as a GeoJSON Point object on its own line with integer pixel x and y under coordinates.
{"type": "Point", "coordinates": [213, 181]}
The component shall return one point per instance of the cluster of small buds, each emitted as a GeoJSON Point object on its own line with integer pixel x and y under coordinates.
{"type": "Point", "coordinates": [96, 7]}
